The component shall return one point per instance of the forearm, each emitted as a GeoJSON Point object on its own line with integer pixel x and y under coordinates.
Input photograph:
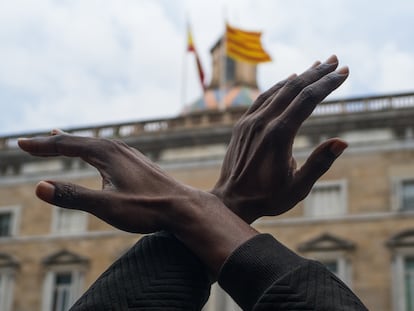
{"type": "Point", "coordinates": [262, 274]}
{"type": "Point", "coordinates": [255, 269]}
{"type": "Point", "coordinates": [157, 272]}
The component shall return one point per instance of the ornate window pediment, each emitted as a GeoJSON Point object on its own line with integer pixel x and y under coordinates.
{"type": "Point", "coordinates": [333, 252]}
{"type": "Point", "coordinates": [7, 261]}
{"type": "Point", "coordinates": [326, 242]}
{"type": "Point", "coordinates": [402, 239]}
{"type": "Point", "coordinates": [65, 257]}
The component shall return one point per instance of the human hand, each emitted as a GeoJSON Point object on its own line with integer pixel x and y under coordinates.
{"type": "Point", "coordinates": [136, 195]}
{"type": "Point", "coordinates": [259, 175]}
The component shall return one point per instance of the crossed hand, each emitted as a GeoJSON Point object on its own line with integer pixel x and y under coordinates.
{"type": "Point", "coordinates": [258, 177]}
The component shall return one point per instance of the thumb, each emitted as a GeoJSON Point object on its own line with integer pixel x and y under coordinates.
{"type": "Point", "coordinates": [71, 196]}
{"type": "Point", "coordinates": [318, 163]}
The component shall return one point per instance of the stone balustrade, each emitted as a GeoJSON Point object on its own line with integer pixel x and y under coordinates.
{"type": "Point", "coordinates": [207, 119]}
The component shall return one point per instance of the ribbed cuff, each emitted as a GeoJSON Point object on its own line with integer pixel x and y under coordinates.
{"type": "Point", "coordinates": [255, 266]}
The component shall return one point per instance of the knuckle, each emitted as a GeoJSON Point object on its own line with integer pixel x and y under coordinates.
{"type": "Point", "coordinates": [296, 83]}
{"type": "Point", "coordinates": [243, 124]}
{"type": "Point", "coordinates": [330, 79]}
{"type": "Point", "coordinates": [278, 129]}
{"type": "Point", "coordinates": [112, 145]}
{"type": "Point", "coordinates": [258, 123]}
{"type": "Point", "coordinates": [120, 143]}
{"type": "Point", "coordinates": [308, 94]}
{"type": "Point", "coordinates": [66, 194]}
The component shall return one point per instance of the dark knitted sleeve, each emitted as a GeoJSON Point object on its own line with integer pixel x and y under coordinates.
{"type": "Point", "coordinates": [157, 273]}
{"type": "Point", "coordinates": [262, 274]}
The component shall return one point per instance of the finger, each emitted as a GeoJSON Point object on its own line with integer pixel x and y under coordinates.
{"type": "Point", "coordinates": [304, 104]}
{"type": "Point", "coordinates": [58, 132]}
{"type": "Point", "coordinates": [73, 196]}
{"type": "Point", "coordinates": [266, 95]}
{"type": "Point", "coordinates": [294, 86]}
{"type": "Point", "coordinates": [92, 150]}
{"type": "Point", "coordinates": [316, 165]}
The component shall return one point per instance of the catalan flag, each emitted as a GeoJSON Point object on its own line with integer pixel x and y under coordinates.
{"type": "Point", "coordinates": [191, 48]}
{"type": "Point", "coordinates": [245, 46]}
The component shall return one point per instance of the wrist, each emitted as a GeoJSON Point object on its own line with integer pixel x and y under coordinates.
{"type": "Point", "coordinates": [207, 227]}
{"type": "Point", "coordinates": [244, 207]}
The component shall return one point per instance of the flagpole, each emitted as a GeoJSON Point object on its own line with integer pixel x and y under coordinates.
{"type": "Point", "coordinates": [184, 72]}
{"type": "Point", "coordinates": [223, 77]}
{"type": "Point", "coordinates": [184, 81]}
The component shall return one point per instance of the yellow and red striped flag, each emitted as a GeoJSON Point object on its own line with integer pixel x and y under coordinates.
{"type": "Point", "coordinates": [191, 48]}
{"type": "Point", "coordinates": [245, 46]}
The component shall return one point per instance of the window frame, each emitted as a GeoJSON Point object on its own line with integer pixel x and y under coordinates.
{"type": "Point", "coordinates": [397, 199]}
{"type": "Point", "coordinates": [78, 277]}
{"type": "Point", "coordinates": [56, 214]}
{"type": "Point", "coordinates": [398, 277]}
{"type": "Point", "coordinates": [343, 198]}
{"type": "Point", "coordinates": [15, 211]}
{"type": "Point", "coordinates": [6, 288]}
{"type": "Point", "coordinates": [343, 263]}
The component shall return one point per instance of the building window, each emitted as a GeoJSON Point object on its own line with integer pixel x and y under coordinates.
{"type": "Point", "coordinates": [8, 267]}
{"type": "Point", "coordinates": [6, 289]}
{"type": "Point", "coordinates": [403, 281]}
{"type": "Point", "coordinates": [332, 266]}
{"type": "Point", "coordinates": [409, 282]}
{"type": "Point", "coordinates": [62, 289]}
{"type": "Point", "coordinates": [5, 224]}
{"type": "Point", "coordinates": [64, 280]}
{"type": "Point", "coordinates": [8, 221]}
{"type": "Point", "coordinates": [407, 195]}
{"type": "Point", "coordinates": [332, 251]}
{"type": "Point", "coordinates": [338, 265]}
{"type": "Point", "coordinates": [67, 221]}
{"type": "Point", "coordinates": [402, 249]}
{"type": "Point", "coordinates": [326, 199]}
{"type": "Point", "coordinates": [230, 69]}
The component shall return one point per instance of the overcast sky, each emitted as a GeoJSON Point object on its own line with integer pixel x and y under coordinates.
{"type": "Point", "coordinates": [68, 63]}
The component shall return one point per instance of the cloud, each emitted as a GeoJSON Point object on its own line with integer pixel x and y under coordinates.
{"type": "Point", "coordinates": [76, 63]}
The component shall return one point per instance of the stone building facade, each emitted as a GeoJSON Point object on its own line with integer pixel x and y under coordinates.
{"type": "Point", "coordinates": [358, 219]}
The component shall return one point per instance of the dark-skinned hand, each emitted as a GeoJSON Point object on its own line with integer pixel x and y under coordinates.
{"type": "Point", "coordinates": [259, 175]}
{"type": "Point", "coordinates": [136, 196]}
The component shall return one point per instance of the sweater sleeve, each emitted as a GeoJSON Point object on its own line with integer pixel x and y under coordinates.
{"type": "Point", "coordinates": [157, 273]}
{"type": "Point", "coordinates": [262, 274]}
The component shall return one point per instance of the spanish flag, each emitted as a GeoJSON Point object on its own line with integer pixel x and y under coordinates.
{"type": "Point", "coordinates": [191, 48]}
{"type": "Point", "coordinates": [245, 46]}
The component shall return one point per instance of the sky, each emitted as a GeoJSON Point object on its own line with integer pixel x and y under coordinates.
{"type": "Point", "coordinates": [75, 63]}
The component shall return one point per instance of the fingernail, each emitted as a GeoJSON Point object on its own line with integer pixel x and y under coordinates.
{"type": "Point", "coordinates": [337, 147]}
{"type": "Point", "coordinates": [21, 141]}
{"type": "Point", "coordinates": [292, 76]}
{"type": "Point", "coordinates": [45, 191]}
{"type": "Point", "coordinates": [332, 60]}
{"type": "Point", "coordinates": [343, 70]}
{"type": "Point", "coordinates": [316, 64]}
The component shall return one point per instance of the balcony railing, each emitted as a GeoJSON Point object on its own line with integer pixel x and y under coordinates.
{"type": "Point", "coordinates": [222, 118]}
